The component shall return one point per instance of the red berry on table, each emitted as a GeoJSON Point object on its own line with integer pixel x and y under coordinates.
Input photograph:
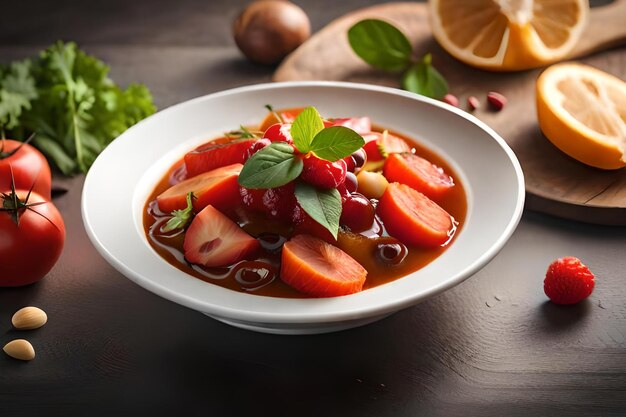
{"type": "Point", "coordinates": [568, 281]}
{"type": "Point", "coordinates": [451, 99]}
{"type": "Point", "coordinates": [323, 173]}
{"type": "Point", "coordinates": [496, 100]}
{"type": "Point", "coordinates": [473, 103]}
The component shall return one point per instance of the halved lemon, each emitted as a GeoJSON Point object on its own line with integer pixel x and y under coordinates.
{"type": "Point", "coordinates": [582, 111]}
{"type": "Point", "coordinates": [508, 35]}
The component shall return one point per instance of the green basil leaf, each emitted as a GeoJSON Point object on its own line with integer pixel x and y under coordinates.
{"type": "Point", "coordinates": [324, 206]}
{"type": "Point", "coordinates": [305, 127]}
{"type": "Point", "coordinates": [422, 78]}
{"type": "Point", "coordinates": [380, 44]}
{"type": "Point", "coordinates": [336, 142]}
{"type": "Point", "coordinates": [271, 167]}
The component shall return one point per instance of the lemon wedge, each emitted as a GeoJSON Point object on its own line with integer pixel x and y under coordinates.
{"type": "Point", "coordinates": [508, 35]}
{"type": "Point", "coordinates": [582, 111]}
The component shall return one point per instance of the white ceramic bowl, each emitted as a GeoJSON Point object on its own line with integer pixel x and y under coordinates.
{"type": "Point", "coordinates": [128, 169]}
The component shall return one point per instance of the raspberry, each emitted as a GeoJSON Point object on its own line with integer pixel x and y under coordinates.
{"type": "Point", "coordinates": [322, 173]}
{"type": "Point", "coordinates": [568, 281]}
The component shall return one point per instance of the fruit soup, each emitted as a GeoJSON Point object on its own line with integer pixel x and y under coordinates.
{"type": "Point", "coordinates": [303, 206]}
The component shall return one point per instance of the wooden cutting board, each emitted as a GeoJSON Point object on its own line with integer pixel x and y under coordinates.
{"type": "Point", "coordinates": [555, 183]}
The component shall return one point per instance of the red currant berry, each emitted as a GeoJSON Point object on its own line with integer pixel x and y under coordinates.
{"type": "Point", "coordinates": [351, 183]}
{"type": "Point", "coordinates": [360, 158]}
{"type": "Point", "coordinates": [322, 173]}
{"type": "Point", "coordinates": [357, 213]}
{"type": "Point", "coordinates": [350, 164]}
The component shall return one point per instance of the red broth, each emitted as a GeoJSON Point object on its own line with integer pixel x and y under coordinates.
{"type": "Point", "coordinates": [260, 274]}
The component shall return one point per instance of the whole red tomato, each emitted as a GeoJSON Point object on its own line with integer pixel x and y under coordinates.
{"type": "Point", "coordinates": [30, 168]}
{"type": "Point", "coordinates": [32, 234]}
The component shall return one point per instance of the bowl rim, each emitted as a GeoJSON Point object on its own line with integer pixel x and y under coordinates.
{"type": "Point", "coordinates": [212, 308]}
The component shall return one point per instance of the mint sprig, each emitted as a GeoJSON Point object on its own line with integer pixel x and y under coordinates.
{"type": "Point", "coordinates": [384, 46]}
{"type": "Point", "coordinates": [279, 164]}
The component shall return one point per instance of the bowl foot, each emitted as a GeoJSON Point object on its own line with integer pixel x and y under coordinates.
{"type": "Point", "coordinates": [299, 328]}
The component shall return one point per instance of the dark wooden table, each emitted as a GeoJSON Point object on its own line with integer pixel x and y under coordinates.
{"type": "Point", "coordinates": [492, 346]}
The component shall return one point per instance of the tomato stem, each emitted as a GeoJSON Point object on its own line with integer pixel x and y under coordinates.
{"type": "Point", "coordinates": [12, 204]}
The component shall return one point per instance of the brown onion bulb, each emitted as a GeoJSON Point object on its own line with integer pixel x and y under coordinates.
{"type": "Point", "coordinates": [268, 30]}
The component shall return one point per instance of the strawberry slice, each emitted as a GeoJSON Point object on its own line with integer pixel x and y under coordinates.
{"type": "Point", "coordinates": [413, 218]}
{"type": "Point", "coordinates": [213, 240]}
{"type": "Point", "coordinates": [218, 188]}
{"type": "Point", "coordinates": [217, 153]}
{"type": "Point", "coordinates": [418, 173]}
{"type": "Point", "coordinates": [320, 269]}
{"type": "Point", "coordinates": [361, 125]}
{"type": "Point", "coordinates": [379, 145]}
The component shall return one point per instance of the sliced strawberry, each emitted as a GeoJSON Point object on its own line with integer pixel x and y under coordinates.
{"type": "Point", "coordinates": [213, 239]}
{"type": "Point", "coordinates": [418, 173]}
{"type": "Point", "coordinates": [218, 188]}
{"type": "Point", "coordinates": [216, 154]}
{"type": "Point", "coordinates": [379, 145]}
{"type": "Point", "coordinates": [360, 125]}
{"type": "Point", "coordinates": [413, 218]}
{"type": "Point", "coordinates": [320, 269]}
